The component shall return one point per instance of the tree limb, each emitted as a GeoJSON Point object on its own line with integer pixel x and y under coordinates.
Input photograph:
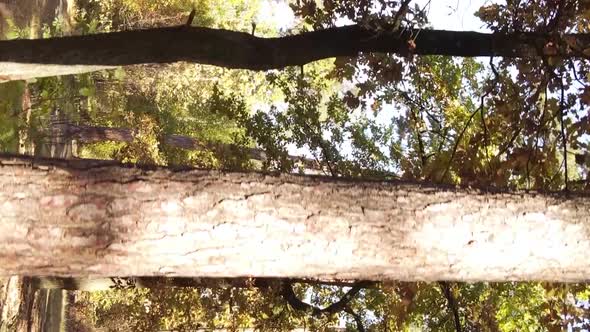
{"type": "Point", "coordinates": [399, 16]}
{"type": "Point", "coordinates": [290, 296]}
{"type": "Point", "coordinates": [233, 49]}
{"type": "Point", "coordinates": [357, 319]}
{"type": "Point", "coordinates": [452, 303]}
{"type": "Point", "coordinates": [562, 111]}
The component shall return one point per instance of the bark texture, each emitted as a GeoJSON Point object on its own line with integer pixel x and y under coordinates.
{"type": "Point", "coordinates": [98, 218]}
{"type": "Point", "coordinates": [17, 305]}
{"type": "Point", "coordinates": [233, 49]}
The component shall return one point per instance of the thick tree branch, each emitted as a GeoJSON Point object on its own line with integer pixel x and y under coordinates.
{"type": "Point", "coordinates": [233, 49]}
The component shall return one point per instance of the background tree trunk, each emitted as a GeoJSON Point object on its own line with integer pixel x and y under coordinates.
{"type": "Point", "coordinates": [24, 144]}
{"type": "Point", "coordinates": [98, 218]}
{"type": "Point", "coordinates": [18, 298]}
{"type": "Point", "coordinates": [93, 134]}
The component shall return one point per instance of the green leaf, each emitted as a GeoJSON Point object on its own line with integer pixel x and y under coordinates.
{"type": "Point", "coordinates": [86, 92]}
{"type": "Point", "coordinates": [276, 310]}
{"type": "Point", "coordinates": [119, 74]}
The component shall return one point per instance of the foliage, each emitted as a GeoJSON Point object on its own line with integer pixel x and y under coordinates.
{"type": "Point", "coordinates": [10, 107]}
{"type": "Point", "coordinates": [191, 308]}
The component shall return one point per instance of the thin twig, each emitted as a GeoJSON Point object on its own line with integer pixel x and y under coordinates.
{"type": "Point", "coordinates": [485, 136]}
{"type": "Point", "coordinates": [510, 142]}
{"type": "Point", "coordinates": [457, 141]}
{"type": "Point", "coordinates": [554, 176]}
{"type": "Point", "coordinates": [554, 22]}
{"type": "Point", "coordinates": [479, 110]}
{"type": "Point", "coordinates": [575, 72]}
{"type": "Point", "coordinates": [399, 16]}
{"type": "Point", "coordinates": [420, 105]}
{"type": "Point", "coordinates": [563, 133]}
{"type": "Point", "coordinates": [483, 120]}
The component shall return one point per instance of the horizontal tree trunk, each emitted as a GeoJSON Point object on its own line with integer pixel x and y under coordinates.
{"type": "Point", "coordinates": [233, 49]}
{"type": "Point", "coordinates": [98, 218]}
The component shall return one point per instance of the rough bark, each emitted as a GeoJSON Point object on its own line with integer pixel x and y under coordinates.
{"type": "Point", "coordinates": [233, 49]}
{"type": "Point", "coordinates": [98, 218]}
{"type": "Point", "coordinates": [17, 305]}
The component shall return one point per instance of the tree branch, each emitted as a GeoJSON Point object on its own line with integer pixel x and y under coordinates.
{"type": "Point", "coordinates": [290, 296]}
{"type": "Point", "coordinates": [233, 49]}
{"type": "Point", "coordinates": [554, 22]}
{"type": "Point", "coordinates": [563, 131]}
{"type": "Point", "coordinates": [457, 142]}
{"type": "Point", "coordinates": [357, 319]}
{"type": "Point", "coordinates": [478, 110]}
{"type": "Point", "coordinates": [452, 303]}
{"type": "Point", "coordinates": [399, 16]}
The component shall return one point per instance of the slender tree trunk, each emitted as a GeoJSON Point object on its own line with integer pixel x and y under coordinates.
{"type": "Point", "coordinates": [88, 217]}
{"type": "Point", "coordinates": [17, 305]}
{"type": "Point", "coordinates": [20, 59]}
{"type": "Point", "coordinates": [37, 311]}
{"type": "Point", "coordinates": [24, 144]}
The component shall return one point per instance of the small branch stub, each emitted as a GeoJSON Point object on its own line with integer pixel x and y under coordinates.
{"type": "Point", "coordinates": [191, 17]}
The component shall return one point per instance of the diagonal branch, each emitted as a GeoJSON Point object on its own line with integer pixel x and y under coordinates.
{"type": "Point", "coordinates": [357, 319]}
{"type": "Point", "coordinates": [289, 295]}
{"type": "Point", "coordinates": [452, 303]}
{"type": "Point", "coordinates": [554, 22]}
{"type": "Point", "coordinates": [480, 110]}
{"type": "Point", "coordinates": [399, 16]}
{"type": "Point", "coordinates": [457, 142]}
